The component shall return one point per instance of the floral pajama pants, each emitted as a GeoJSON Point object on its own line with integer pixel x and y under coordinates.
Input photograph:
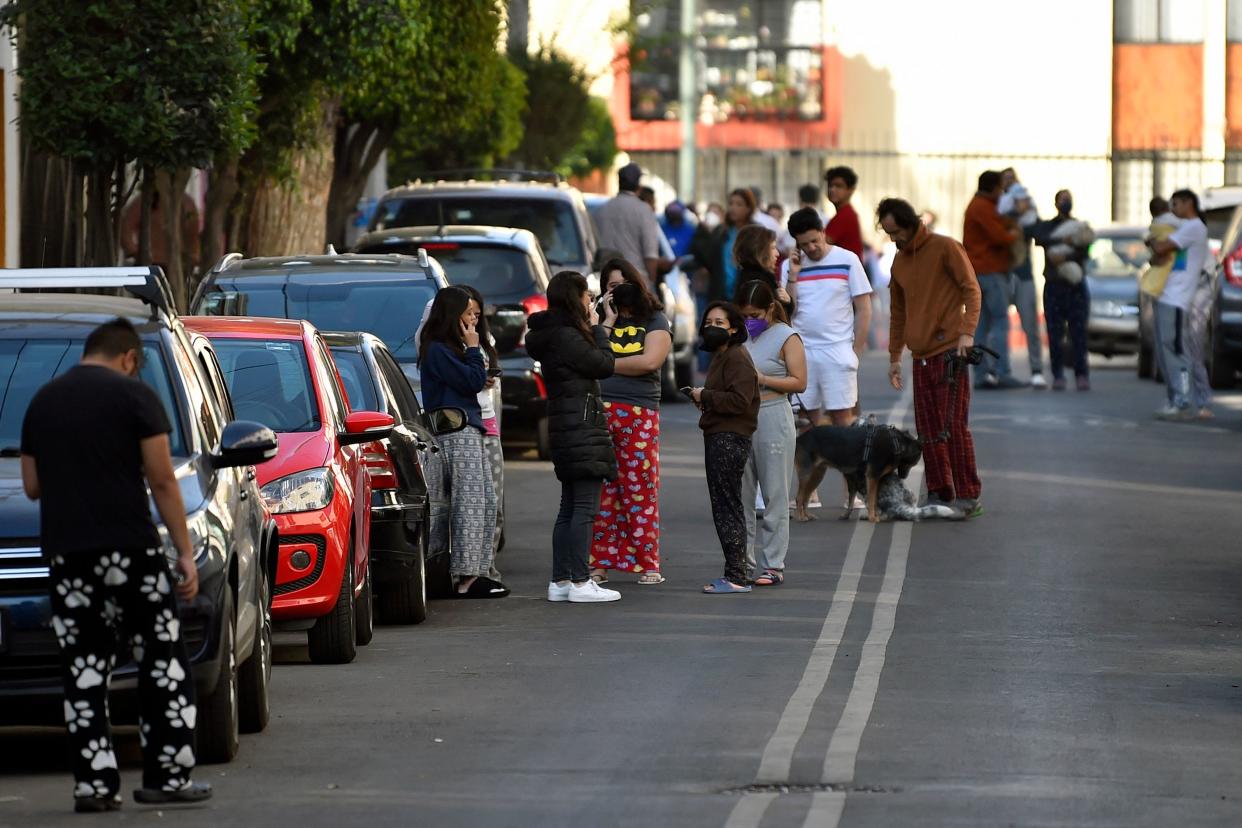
{"type": "Point", "coordinates": [626, 535]}
{"type": "Point", "coordinates": [100, 599]}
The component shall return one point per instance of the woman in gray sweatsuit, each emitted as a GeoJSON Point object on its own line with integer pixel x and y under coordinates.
{"type": "Point", "coordinates": [780, 361]}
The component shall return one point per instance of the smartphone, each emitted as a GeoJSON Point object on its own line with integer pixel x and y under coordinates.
{"type": "Point", "coordinates": [688, 391]}
{"type": "Point", "coordinates": [494, 372]}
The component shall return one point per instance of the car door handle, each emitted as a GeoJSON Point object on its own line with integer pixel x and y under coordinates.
{"type": "Point", "coordinates": [250, 473]}
{"type": "Point", "coordinates": [245, 495]}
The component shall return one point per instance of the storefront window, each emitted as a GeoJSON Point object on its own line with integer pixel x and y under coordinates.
{"type": "Point", "coordinates": [755, 60]}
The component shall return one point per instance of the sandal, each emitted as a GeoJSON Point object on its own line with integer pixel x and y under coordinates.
{"type": "Point", "coordinates": [651, 578]}
{"type": "Point", "coordinates": [770, 577]}
{"type": "Point", "coordinates": [722, 586]}
{"type": "Point", "coordinates": [599, 576]}
{"type": "Point", "coordinates": [484, 587]}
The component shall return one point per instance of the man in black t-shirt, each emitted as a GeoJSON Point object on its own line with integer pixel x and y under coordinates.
{"type": "Point", "coordinates": [91, 441]}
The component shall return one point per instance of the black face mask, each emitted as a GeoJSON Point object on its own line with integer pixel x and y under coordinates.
{"type": "Point", "coordinates": [624, 295]}
{"type": "Point", "coordinates": [712, 337]}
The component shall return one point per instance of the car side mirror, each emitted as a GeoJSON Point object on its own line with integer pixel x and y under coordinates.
{"type": "Point", "coordinates": [245, 443]}
{"type": "Point", "coordinates": [446, 420]}
{"type": "Point", "coordinates": [366, 427]}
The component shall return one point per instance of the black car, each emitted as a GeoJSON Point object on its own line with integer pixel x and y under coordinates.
{"type": "Point", "coordinates": [508, 267]}
{"type": "Point", "coordinates": [1224, 345]}
{"type": "Point", "coordinates": [409, 500]}
{"type": "Point", "coordinates": [227, 627]}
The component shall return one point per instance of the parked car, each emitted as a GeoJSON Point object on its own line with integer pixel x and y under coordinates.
{"type": "Point", "coordinates": [409, 497]}
{"type": "Point", "coordinates": [1114, 262]}
{"type": "Point", "coordinates": [227, 627]}
{"type": "Point", "coordinates": [508, 267]}
{"type": "Point", "coordinates": [539, 202]}
{"type": "Point", "coordinates": [280, 373]}
{"type": "Point", "coordinates": [677, 294]}
{"type": "Point", "coordinates": [1223, 348]}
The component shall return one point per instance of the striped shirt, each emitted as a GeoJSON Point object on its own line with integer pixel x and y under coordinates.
{"type": "Point", "coordinates": [826, 291]}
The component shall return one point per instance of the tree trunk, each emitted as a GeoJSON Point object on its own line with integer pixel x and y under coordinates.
{"type": "Point", "coordinates": [358, 149]}
{"type": "Point", "coordinates": [288, 219]}
{"type": "Point", "coordinates": [100, 250]}
{"type": "Point", "coordinates": [172, 197]}
{"type": "Point", "coordinates": [221, 198]}
{"type": "Point", "coordinates": [144, 226]}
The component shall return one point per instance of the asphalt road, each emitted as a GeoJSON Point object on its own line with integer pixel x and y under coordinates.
{"type": "Point", "coordinates": [1070, 658]}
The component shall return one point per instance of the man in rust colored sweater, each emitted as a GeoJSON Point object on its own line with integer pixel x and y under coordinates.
{"type": "Point", "coordinates": [934, 309]}
{"type": "Point", "coordinates": [989, 244]}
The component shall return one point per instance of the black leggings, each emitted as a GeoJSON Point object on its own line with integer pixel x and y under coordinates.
{"type": "Point", "coordinates": [571, 536]}
{"type": "Point", "coordinates": [725, 456]}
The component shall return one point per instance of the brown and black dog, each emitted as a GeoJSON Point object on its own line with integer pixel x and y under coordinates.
{"type": "Point", "coordinates": [864, 454]}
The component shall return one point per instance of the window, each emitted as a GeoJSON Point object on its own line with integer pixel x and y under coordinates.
{"type": "Point", "coordinates": [404, 398]}
{"type": "Point", "coordinates": [1233, 22]}
{"type": "Point", "coordinates": [1160, 21]}
{"type": "Point", "coordinates": [27, 364]}
{"type": "Point", "coordinates": [269, 383]}
{"type": "Point", "coordinates": [493, 271]}
{"type": "Point", "coordinates": [755, 60]}
{"type": "Point", "coordinates": [359, 388]}
{"type": "Point", "coordinates": [325, 367]}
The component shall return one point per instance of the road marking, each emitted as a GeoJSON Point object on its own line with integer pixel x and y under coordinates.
{"type": "Point", "coordinates": [1117, 485]}
{"type": "Point", "coordinates": [777, 759]}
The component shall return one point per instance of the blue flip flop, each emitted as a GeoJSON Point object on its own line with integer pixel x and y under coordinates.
{"type": "Point", "coordinates": [721, 586]}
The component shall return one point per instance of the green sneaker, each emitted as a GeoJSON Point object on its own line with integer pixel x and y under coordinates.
{"type": "Point", "coordinates": [968, 508]}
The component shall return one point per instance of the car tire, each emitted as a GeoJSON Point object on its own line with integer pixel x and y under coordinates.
{"type": "Point", "coordinates": [543, 439]}
{"type": "Point", "coordinates": [440, 576]}
{"type": "Point", "coordinates": [256, 674]}
{"type": "Point", "coordinates": [1221, 368]}
{"type": "Point", "coordinates": [217, 734]}
{"type": "Point", "coordinates": [406, 603]}
{"type": "Point", "coordinates": [1145, 362]}
{"type": "Point", "coordinates": [333, 640]}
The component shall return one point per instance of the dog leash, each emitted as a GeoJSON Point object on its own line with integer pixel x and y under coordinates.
{"type": "Point", "coordinates": [974, 356]}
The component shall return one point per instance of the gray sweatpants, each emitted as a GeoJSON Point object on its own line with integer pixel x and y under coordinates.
{"type": "Point", "coordinates": [1171, 334]}
{"type": "Point", "coordinates": [473, 502]}
{"type": "Point", "coordinates": [496, 460]}
{"type": "Point", "coordinates": [1024, 301]}
{"type": "Point", "coordinates": [770, 468]}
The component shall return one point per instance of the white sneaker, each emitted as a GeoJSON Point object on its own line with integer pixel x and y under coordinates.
{"type": "Point", "coordinates": [758, 502]}
{"type": "Point", "coordinates": [858, 503]}
{"type": "Point", "coordinates": [813, 501]}
{"type": "Point", "coordinates": [590, 592]}
{"type": "Point", "coordinates": [557, 592]}
{"type": "Point", "coordinates": [1037, 381]}
{"type": "Point", "coordinates": [1173, 414]}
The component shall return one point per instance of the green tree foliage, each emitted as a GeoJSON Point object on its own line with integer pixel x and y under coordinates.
{"type": "Point", "coordinates": [597, 145]}
{"type": "Point", "coordinates": [466, 107]}
{"type": "Point", "coordinates": [558, 107]}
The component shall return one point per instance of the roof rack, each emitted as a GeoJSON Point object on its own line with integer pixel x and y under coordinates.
{"type": "Point", "coordinates": [146, 283]}
{"type": "Point", "coordinates": [493, 174]}
{"type": "Point", "coordinates": [226, 261]}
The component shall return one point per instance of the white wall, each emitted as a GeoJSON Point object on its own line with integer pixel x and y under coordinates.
{"type": "Point", "coordinates": [581, 29]}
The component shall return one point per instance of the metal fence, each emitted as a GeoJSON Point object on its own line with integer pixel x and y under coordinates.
{"type": "Point", "coordinates": [1107, 188]}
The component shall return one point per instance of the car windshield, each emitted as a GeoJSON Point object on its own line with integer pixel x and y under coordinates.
{"type": "Point", "coordinates": [550, 219]}
{"type": "Point", "coordinates": [1117, 255]}
{"type": "Point", "coordinates": [390, 309]}
{"type": "Point", "coordinates": [494, 271]}
{"type": "Point", "coordinates": [356, 378]}
{"type": "Point", "coordinates": [269, 382]}
{"type": "Point", "coordinates": [27, 364]}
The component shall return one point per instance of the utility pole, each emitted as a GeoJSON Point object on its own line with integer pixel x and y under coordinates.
{"type": "Point", "coordinates": [689, 95]}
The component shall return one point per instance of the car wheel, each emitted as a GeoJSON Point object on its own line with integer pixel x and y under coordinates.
{"type": "Point", "coordinates": [332, 640]}
{"type": "Point", "coordinates": [440, 576]}
{"type": "Point", "coordinates": [1220, 366]}
{"type": "Point", "coordinates": [217, 735]}
{"type": "Point", "coordinates": [1145, 360]}
{"type": "Point", "coordinates": [406, 603]}
{"type": "Point", "coordinates": [364, 609]}
{"type": "Point", "coordinates": [543, 439]}
{"type": "Point", "coordinates": [256, 673]}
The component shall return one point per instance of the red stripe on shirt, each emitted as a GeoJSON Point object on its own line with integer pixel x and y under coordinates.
{"type": "Point", "coordinates": [844, 277]}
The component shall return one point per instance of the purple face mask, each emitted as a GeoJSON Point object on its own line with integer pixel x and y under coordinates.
{"type": "Point", "coordinates": [754, 327]}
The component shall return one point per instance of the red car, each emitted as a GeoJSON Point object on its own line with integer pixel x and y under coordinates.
{"type": "Point", "coordinates": [281, 374]}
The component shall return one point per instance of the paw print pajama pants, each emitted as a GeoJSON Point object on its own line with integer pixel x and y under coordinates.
{"type": "Point", "coordinates": [122, 601]}
{"type": "Point", "coordinates": [626, 535]}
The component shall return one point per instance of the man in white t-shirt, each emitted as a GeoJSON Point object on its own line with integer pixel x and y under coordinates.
{"type": "Point", "coordinates": [832, 312]}
{"type": "Point", "coordinates": [1189, 244]}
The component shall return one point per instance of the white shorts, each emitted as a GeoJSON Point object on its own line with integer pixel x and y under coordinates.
{"type": "Point", "coordinates": [832, 377]}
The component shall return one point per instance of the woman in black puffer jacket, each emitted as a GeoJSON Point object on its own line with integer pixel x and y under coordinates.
{"type": "Point", "coordinates": [574, 353]}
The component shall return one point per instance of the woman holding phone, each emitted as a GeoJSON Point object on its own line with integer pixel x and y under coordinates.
{"type": "Point", "coordinates": [626, 535]}
{"type": "Point", "coordinates": [575, 353]}
{"type": "Point", "coordinates": [450, 360]}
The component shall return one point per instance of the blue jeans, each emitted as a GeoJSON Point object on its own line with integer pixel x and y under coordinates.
{"type": "Point", "coordinates": [1171, 340]}
{"type": "Point", "coordinates": [1024, 301]}
{"type": "Point", "coordinates": [993, 329]}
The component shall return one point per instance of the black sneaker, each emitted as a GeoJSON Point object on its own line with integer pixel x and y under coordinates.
{"type": "Point", "coordinates": [96, 804]}
{"type": "Point", "coordinates": [193, 792]}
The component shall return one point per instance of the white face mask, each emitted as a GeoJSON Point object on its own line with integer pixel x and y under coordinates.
{"type": "Point", "coordinates": [711, 220]}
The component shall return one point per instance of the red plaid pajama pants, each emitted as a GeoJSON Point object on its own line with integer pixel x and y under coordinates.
{"type": "Point", "coordinates": [949, 463]}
